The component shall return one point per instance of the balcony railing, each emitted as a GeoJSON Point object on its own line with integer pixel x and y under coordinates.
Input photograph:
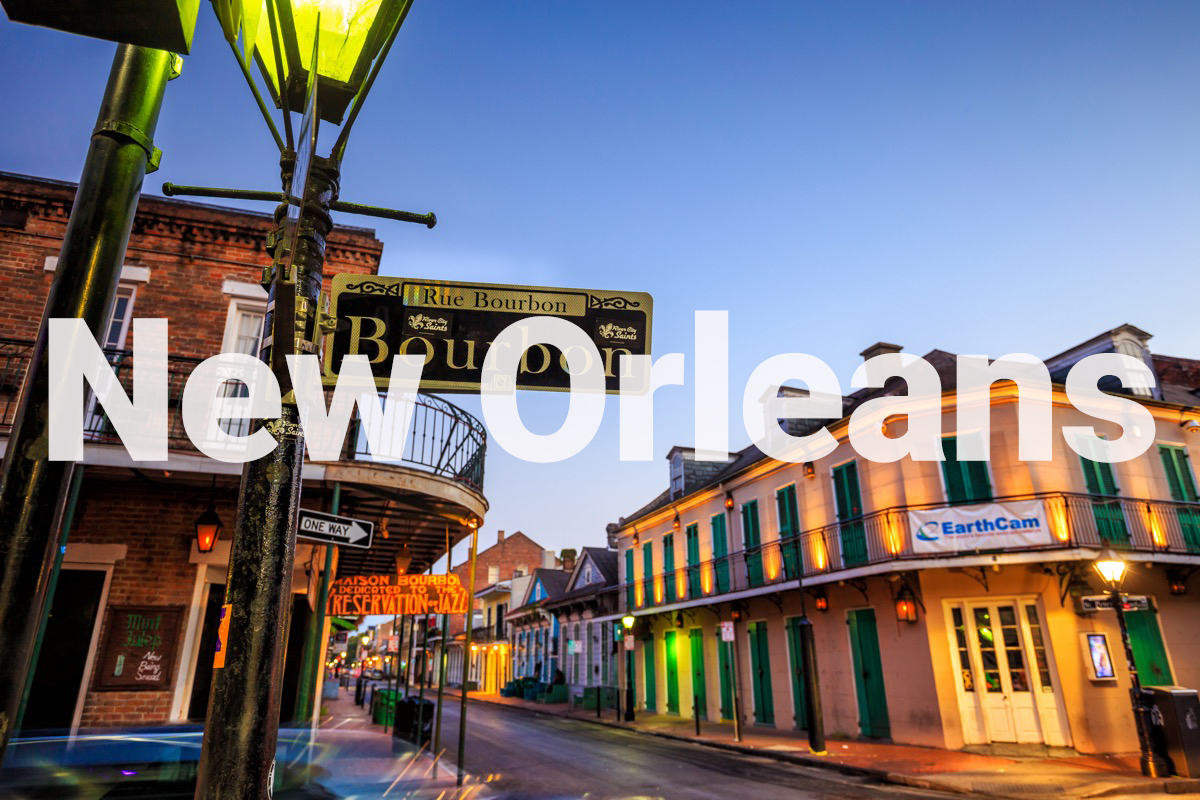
{"type": "Point", "coordinates": [443, 439]}
{"type": "Point", "coordinates": [1074, 520]}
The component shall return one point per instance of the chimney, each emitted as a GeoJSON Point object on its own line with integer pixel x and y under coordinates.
{"type": "Point", "coordinates": [499, 537]}
{"type": "Point", "coordinates": [568, 559]}
{"type": "Point", "coordinates": [879, 349]}
{"type": "Point", "coordinates": [549, 560]}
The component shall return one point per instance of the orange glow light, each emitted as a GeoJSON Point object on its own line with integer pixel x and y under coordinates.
{"type": "Point", "coordinates": [820, 556]}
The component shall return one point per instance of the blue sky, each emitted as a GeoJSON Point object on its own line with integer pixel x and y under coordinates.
{"type": "Point", "coordinates": [984, 177]}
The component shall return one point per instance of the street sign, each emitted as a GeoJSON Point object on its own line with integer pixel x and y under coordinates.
{"type": "Point", "coordinates": [726, 631]}
{"type": "Point", "coordinates": [316, 526]}
{"type": "Point", "coordinates": [1097, 602]}
{"type": "Point", "coordinates": [629, 641]}
{"type": "Point", "coordinates": [453, 324]}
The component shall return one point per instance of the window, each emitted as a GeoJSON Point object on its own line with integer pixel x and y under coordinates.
{"type": "Point", "coordinates": [789, 529]}
{"type": "Point", "coordinates": [1100, 480]}
{"type": "Point", "coordinates": [966, 481]}
{"type": "Point", "coordinates": [630, 592]}
{"type": "Point", "coordinates": [647, 574]}
{"type": "Point", "coordinates": [117, 329]}
{"type": "Point", "coordinates": [1181, 482]}
{"type": "Point", "coordinates": [752, 543]}
{"type": "Point", "coordinates": [493, 574]}
{"type": "Point", "coordinates": [692, 535]}
{"type": "Point", "coordinates": [243, 334]}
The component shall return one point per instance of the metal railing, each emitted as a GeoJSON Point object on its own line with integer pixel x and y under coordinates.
{"type": "Point", "coordinates": [1074, 520]}
{"type": "Point", "coordinates": [443, 439]}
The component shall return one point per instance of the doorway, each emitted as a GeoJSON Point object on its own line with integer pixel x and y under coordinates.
{"type": "Point", "coordinates": [868, 674]}
{"type": "Point", "coordinates": [699, 689]}
{"type": "Point", "coordinates": [1007, 690]}
{"type": "Point", "coordinates": [672, 673]}
{"type": "Point", "coordinates": [202, 676]}
{"type": "Point", "coordinates": [760, 671]}
{"type": "Point", "coordinates": [58, 679]}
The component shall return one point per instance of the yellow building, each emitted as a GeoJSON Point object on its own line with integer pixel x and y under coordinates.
{"type": "Point", "coordinates": [925, 636]}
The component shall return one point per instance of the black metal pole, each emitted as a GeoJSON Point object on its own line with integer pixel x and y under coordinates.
{"type": "Point", "coordinates": [630, 678]}
{"type": "Point", "coordinates": [33, 489]}
{"type": "Point", "coordinates": [437, 732]}
{"type": "Point", "coordinates": [237, 758]}
{"type": "Point", "coordinates": [391, 673]}
{"type": "Point", "coordinates": [421, 689]}
{"type": "Point", "coordinates": [815, 721]}
{"type": "Point", "coordinates": [1153, 765]}
{"type": "Point", "coordinates": [737, 701]}
{"type": "Point", "coordinates": [462, 709]}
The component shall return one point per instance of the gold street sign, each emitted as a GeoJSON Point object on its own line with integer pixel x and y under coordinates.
{"type": "Point", "coordinates": [452, 324]}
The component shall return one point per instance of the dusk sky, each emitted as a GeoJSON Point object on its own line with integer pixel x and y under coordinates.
{"type": "Point", "coordinates": [984, 177]}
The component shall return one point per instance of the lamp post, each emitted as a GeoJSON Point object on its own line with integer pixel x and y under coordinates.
{"type": "Point", "coordinates": [627, 623]}
{"type": "Point", "coordinates": [1111, 569]}
{"type": "Point", "coordinates": [348, 42]}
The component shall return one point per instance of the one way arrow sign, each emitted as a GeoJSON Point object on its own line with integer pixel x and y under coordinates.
{"type": "Point", "coordinates": [329, 529]}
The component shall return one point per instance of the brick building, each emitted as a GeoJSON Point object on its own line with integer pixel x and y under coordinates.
{"type": "Point", "coordinates": [131, 551]}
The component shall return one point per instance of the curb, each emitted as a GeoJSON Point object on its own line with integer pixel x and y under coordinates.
{"type": "Point", "coordinates": [1161, 786]}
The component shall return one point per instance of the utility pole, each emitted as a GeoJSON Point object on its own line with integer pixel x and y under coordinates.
{"type": "Point", "coordinates": [237, 759]}
{"type": "Point", "coordinates": [34, 489]}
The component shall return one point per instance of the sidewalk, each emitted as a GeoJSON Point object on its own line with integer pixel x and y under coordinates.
{"type": "Point", "coordinates": [920, 767]}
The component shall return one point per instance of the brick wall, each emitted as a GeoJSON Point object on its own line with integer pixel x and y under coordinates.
{"type": "Point", "coordinates": [517, 550]}
{"type": "Point", "coordinates": [190, 249]}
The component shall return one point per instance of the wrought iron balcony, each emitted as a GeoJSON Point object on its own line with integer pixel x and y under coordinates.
{"type": "Point", "coordinates": [443, 439]}
{"type": "Point", "coordinates": [1075, 520]}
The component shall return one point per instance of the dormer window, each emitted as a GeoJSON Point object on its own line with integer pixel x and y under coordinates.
{"type": "Point", "coordinates": [677, 475]}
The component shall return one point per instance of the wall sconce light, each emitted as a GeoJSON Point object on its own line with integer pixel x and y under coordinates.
{"type": "Point", "coordinates": [821, 600]}
{"type": "Point", "coordinates": [403, 560]}
{"type": "Point", "coordinates": [906, 605]}
{"type": "Point", "coordinates": [1190, 426]}
{"type": "Point", "coordinates": [679, 620]}
{"type": "Point", "coordinates": [635, 537]}
{"type": "Point", "coordinates": [1177, 581]}
{"type": "Point", "coordinates": [810, 469]}
{"type": "Point", "coordinates": [729, 499]}
{"type": "Point", "coordinates": [675, 522]}
{"type": "Point", "coordinates": [208, 524]}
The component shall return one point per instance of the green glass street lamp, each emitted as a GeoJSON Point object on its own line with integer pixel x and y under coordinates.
{"type": "Point", "coordinates": [1111, 569]}
{"type": "Point", "coordinates": [319, 58]}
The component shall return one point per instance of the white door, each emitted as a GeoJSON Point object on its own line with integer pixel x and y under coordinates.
{"type": "Point", "coordinates": [1000, 646]}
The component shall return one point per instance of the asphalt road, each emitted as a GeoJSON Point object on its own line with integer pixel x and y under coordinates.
{"type": "Point", "coordinates": [519, 754]}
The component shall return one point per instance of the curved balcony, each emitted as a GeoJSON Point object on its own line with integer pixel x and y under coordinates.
{"type": "Point", "coordinates": [423, 498]}
{"type": "Point", "coordinates": [1167, 529]}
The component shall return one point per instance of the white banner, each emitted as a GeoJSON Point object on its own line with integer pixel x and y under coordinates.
{"type": "Point", "coordinates": [987, 527]}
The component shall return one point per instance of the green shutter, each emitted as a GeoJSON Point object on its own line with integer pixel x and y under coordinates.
{"type": "Point", "coordinates": [693, 560]}
{"type": "Point", "coordinates": [966, 481]}
{"type": "Point", "coordinates": [669, 567]}
{"type": "Point", "coordinates": [720, 546]}
{"type": "Point", "coordinates": [648, 574]}
{"type": "Point", "coordinates": [630, 594]}
{"type": "Point", "coordinates": [751, 541]}
{"type": "Point", "coordinates": [1179, 473]}
{"type": "Point", "coordinates": [789, 530]}
{"type": "Point", "coordinates": [853, 533]}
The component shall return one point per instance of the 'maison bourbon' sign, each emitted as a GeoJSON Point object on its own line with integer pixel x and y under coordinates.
{"type": "Point", "coordinates": [452, 325]}
{"type": "Point", "coordinates": [397, 595]}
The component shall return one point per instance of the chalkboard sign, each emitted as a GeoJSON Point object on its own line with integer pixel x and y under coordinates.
{"type": "Point", "coordinates": [139, 648]}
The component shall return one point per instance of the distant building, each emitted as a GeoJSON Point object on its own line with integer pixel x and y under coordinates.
{"type": "Point", "coordinates": [535, 629]}
{"type": "Point", "coordinates": [589, 646]}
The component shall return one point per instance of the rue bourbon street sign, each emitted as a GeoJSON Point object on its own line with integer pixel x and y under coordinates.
{"type": "Point", "coordinates": [397, 595]}
{"type": "Point", "coordinates": [452, 324]}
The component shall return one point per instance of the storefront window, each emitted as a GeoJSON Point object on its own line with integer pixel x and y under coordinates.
{"type": "Point", "coordinates": [964, 657]}
{"type": "Point", "coordinates": [987, 650]}
{"type": "Point", "coordinates": [1039, 648]}
{"type": "Point", "coordinates": [1012, 649]}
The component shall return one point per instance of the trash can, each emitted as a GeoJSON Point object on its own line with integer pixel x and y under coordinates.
{"type": "Point", "coordinates": [1175, 726]}
{"type": "Point", "coordinates": [360, 691]}
{"type": "Point", "coordinates": [423, 710]}
{"type": "Point", "coordinates": [405, 718]}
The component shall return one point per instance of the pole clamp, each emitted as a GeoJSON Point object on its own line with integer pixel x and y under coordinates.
{"type": "Point", "coordinates": [124, 130]}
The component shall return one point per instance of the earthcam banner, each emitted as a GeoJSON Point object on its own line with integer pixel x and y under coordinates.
{"type": "Point", "coordinates": [453, 324]}
{"type": "Point", "coordinates": [397, 595]}
{"type": "Point", "coordinates": [992, 526]}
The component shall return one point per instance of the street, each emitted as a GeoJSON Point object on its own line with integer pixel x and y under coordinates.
{"type": "Point", "coordinates": [542, 755]}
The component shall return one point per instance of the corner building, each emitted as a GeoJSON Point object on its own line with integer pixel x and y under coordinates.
{"type": "Point", "coordinates": [952, 602]}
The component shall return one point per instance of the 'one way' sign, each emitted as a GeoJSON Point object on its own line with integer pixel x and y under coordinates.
{"type": "Point", "coordinates": [329, 529]}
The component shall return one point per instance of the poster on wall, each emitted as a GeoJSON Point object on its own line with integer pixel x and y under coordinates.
{"type": "Point", "coordinates": [138, 651]}
{"type": "Point", "coordinates": [992, 526]}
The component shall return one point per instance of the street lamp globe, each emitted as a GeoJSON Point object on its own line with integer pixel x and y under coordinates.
{"type": "Point", "coordinates": [1110, 567]}
{"type": "Point", "coordinates": [351, 34]}
{"type": "Point", "coordinates": [627, 621]}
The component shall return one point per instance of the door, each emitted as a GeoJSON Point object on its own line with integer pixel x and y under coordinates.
{"type": "Point", "coordinates": [849, 513]}
{"type": "Point", "coordinates": [760, 672]}
{"type": "Point", "coordinates": [868, 674]}
{"type": "Point", "coordinates": [1182, 484]}
{"type": "Point", "coordinates": [796, 665]}
{"type": "Point", "coordinates": [669, 577]}
{"type": "Point", "coordinates": [789, 530]}
{"type": "Point", "coordinates": [693, 561]}
{"type": "Point", "coordinates": [1149, 652]}
{"type": "Point", "coordinates": [202, 674]}
{"type": "Point", "coordinates": [64, 654]}
{"type": "Point", "coordinates": [699, 687]}
{"type": "Point", "coordinates": [672, 673]}
{"type": "Point", "coordinates": [725, 664]}
{"type": "Point", "coordinates": [648, 675]}
{"type": "Point", "coordinates": [1001, 648]}
{"type": "Point", "coordinates": [720, 545]}
{"type": "Point", "coordinates": [752, 544]}
{"type": "Point", "coordinates": [1109, 516]}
